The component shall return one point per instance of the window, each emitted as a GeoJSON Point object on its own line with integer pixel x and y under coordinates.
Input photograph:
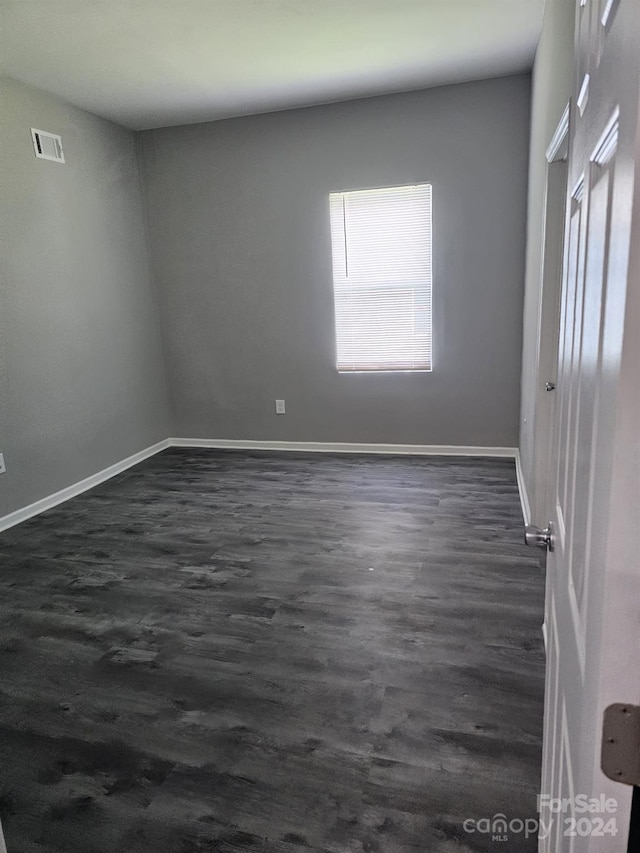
{"type": "Point", "coordinates": [381, 246]}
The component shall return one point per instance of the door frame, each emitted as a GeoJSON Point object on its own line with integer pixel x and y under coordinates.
{"type": "Point", "coordinates": [548, 332]}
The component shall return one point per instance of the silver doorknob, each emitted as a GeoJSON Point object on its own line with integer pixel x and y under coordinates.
{"type": "Point", "coordinates": [542, 538]}
{"type": "Point", "coordinates": [549, 386]}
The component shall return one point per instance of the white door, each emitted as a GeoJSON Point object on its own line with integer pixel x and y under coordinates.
{"type": "Point", "coordinates": [593, 574]}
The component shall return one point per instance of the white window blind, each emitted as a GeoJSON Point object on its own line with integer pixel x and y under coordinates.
{"type": "Point", "coordinates": [381, 246]}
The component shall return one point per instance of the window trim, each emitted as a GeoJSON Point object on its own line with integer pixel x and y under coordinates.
{"type": "Point", "coordinates": [386, 371]}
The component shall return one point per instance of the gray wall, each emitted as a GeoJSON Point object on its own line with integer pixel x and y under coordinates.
{"type": "Point", "coordinates": [81, 373]}
{"type": "Point", "coordinates": [238, 224]}
{"type": "Point", "coordinates": [551, 89]}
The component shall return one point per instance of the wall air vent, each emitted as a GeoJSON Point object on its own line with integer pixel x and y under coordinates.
{"type": "Point", "coordinates": [47, 146]}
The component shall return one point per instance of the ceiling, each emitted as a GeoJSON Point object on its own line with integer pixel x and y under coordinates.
{"type": "Point", "coordinates": [153, 63]}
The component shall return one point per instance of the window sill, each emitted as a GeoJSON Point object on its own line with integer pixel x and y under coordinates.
{"type": "Point", "coordinates": [379, 372]}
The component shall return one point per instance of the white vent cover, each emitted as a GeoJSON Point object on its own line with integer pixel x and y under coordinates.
{"type": "Point", "coordinates": [47, 146]}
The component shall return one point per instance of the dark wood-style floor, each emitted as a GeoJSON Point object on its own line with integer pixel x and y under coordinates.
{"type": "Point", "coordinates": [222, 651]}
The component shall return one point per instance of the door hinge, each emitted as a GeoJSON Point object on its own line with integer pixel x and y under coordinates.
{"type": "Point", "coordinates": [620, 755]}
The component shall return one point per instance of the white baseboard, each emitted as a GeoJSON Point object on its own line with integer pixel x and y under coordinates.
{"type": "Point", "coordinates": [63, 495]}
{"type": "Point", "coordinates": [346, 447]}
{"type": "Point", "coordinates": [72, 491]}
{"type": "Point", "coordinates": [522, 489]}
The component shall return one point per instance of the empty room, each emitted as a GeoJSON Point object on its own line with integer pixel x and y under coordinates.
{"type": "Point", "coordinates": [319, 418]}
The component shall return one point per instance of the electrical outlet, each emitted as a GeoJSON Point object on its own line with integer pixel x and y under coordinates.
{"type": "Point", "coordinates": [3, 467]}
{"type": "Point", "coordinates": [280, 410]}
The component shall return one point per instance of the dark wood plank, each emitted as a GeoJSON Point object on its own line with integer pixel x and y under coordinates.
{"type": "Point", "coordinates": [272, 653]}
